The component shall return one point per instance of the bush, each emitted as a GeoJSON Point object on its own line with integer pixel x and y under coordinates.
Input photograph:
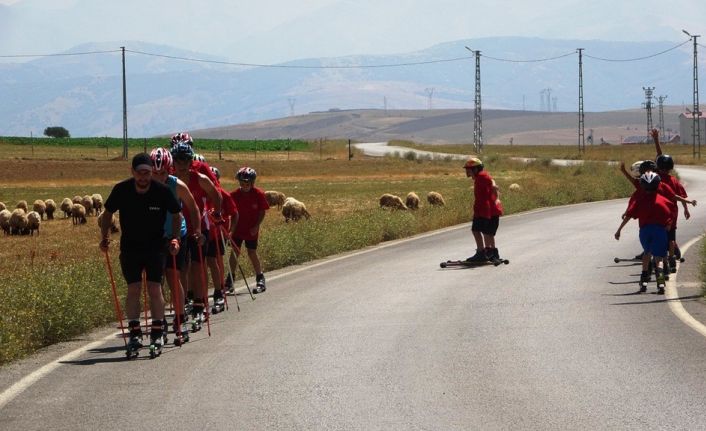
{"type": "Point", "coordinates": [56, 132]}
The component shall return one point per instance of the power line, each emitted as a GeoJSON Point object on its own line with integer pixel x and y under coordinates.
{"type": "Point", "coordinates": [63, 54]}
{"type": "Point", "coordinates": [536, 60]}
{"type": "Point", "coordinates": [639, 58]}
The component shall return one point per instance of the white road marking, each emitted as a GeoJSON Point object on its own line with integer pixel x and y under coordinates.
{"type": "Point", "coordinates": [672, 295]}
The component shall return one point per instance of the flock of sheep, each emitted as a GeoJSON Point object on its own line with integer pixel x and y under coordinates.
{"type": "Point", "coordinates": [411, 202]}
{"type": "Point", "coordinates": [292, 209]}
{"type": "Point", "coordinates": [21, 221]}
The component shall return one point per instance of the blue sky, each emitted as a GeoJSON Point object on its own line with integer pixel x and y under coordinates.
{"type": "Point", "coordinates": [273, 31]}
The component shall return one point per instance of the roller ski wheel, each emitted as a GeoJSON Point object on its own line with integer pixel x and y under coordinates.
{"type": "Point", "coordinates": [197, 322]}
{"type": "Point", "coordinates": [219, 304]}
{"type": "Point", "coordinates": [260, 286]}
{"type": "Point", "coordinates": [644, 279]}
{"type": "Point", "coordinates": [155, 350]}
{"type": "Point", "coordinates": [133, 348]}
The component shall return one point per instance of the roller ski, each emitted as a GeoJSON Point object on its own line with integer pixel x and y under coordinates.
{"type": "Point", "coordinates": [197, 317]}
{"type": "Point", "coordinates": [219, 303]}
{"type": "Point", "coordinates": [644, 279]}
{"type": "Point", "coordinates": [660, 284]}
{"type": "Point", "coordinates": [481, 258]}
{"type": "Point", "coordinates": [135, 344]}
{"type": "Point", "coordinates": [260, 284]}
{"type": "Point", "coordinates": [156, 339]}
{"type": "Point", "coordinates": [181, 332]}
{"type": "Point", "coordinates": [230, 287]}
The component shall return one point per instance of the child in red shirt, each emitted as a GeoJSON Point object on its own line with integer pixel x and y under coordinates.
{"type": "Point", "coordinates": [654, 214]}
{"type": "Point", "coordinates": [487, 210]}
{"type": "Point", "coordinates": [252, 205]}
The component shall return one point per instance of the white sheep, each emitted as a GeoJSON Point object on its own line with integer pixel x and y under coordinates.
{"type": "Point", "coordinates": [391, 201]}
{"type": "Point", "coordinates": [5, 221]}
{"type": "Point", "coordinates": [97, 203]}
{"type": "Point", "coordinates": [51, 208]}
{"type": "Point", "coordinates": [274, 198]}
{"type": "Point", "coordinates": [77, 199]}
{"type": "Point", "coordinates": [23, 205]}
{"type": "Point", "coordinates": [40, 207]}
{"type": "Point", "coordinates": [2, 206]}
{"type": "Point", "coordinates": [412, 201]}
{"type": "Point", "coordinates": [113, 222]}
{"type": "Point", "coordinates": [514, 187]}
{"type": "Point", "coordinates": [33, 222]}
{"type": "Point", "coordinates": [78, 214]}
{"type": "Point", "coordinates": [66, 205]}
{"type": "Point", "coordinates": [294, 210]}
{"type": "Point", "coordinates": [18, 222]}
{"type": "Point", "coordinates": [435, 199]}
{"type": "Point", "coordinates": [87, 202]}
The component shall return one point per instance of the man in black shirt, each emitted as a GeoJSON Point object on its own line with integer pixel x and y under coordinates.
{"type": "Point", "coordinates": [143, 205]}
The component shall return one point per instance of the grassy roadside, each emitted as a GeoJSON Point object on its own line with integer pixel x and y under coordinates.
{"type": "Point", "coordinates": [55, 285]}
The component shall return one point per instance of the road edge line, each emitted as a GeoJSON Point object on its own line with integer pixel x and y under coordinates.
{"type": "Point", "coordinates": [675, 304]}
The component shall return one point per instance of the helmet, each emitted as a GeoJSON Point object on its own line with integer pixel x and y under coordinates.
{"type": "Point", "coordinates": [650, 181]}
{"type": "Point", "coordinates": [473, 162]}
{"type": "Point", "coordinates": [246, 174]}
{"type": "Point", "coordinates": [665, 162]}
{"type": "Point", "coordinates": [182, 151]}
{"type": "Point", "coordinates": [216, 172]}
{"type": "Point", "coordinates": [182, 137]}
{"type": "Point", "coordinates": [199, 157]}
{"type": "Point", "coordinates": [646, 166]}
{"type": "Point", "coordinates": [636, 170]}
{"type": "Point", "coordinates": [161, 159]}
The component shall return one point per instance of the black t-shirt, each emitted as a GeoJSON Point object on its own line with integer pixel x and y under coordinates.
{"type": "Point", "coordinates": [142, 214]}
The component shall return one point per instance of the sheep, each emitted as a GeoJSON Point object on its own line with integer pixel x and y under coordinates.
{"type": "Point", "coordinates": [18, 222]}
{"type": "Point", "coordinates": [77, 199]}
{"type": "Point", "coordinates": [113, 222]}
{"type": "Point", "coordinates": [412, 201]}
{"type": "Point", "coordinates": [275, 198]}
{"type": "Point", "coordinates": [87, 202]}
{"type": "Point", "coordinates": [294, 210]}
{"type": "Point", "coordinates": [78, 214]}
{"type": "Point", "coordinates": [23, 205]}
{"type": "Point", "coordinates": [66, 205]}
{"type": "Point", "coordinates": [51, 208]}
{"type": "Point", "coordinates": [514, 187]}
{"type": "Point", "coordinates": [391, 201]}
{"type": "Point", "coordinates": [435, 199]}
{"type": "Point", "coordinates": [40, 207]}
{"type": "Point", "coordinates": [97, 203]}
{"type": "Point", "coordinates": [33, 222]}
{"type": "Point", "coordinates": [5, 221]}
{"type": "Point", "coordinates": [2, 206]}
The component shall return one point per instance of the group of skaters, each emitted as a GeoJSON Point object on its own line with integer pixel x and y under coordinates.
{"type": "Point", "coordinates": [654, 205]}
{"type": "Point", "coordinates": [177, 222]}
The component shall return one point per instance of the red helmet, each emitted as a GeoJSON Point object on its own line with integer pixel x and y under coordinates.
{"type": "Point", "coordinates": [161, 159]}
{"type": "Point", "coordinates": [182, 137]}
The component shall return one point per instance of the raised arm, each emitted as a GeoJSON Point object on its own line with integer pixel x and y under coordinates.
{"type": "Point", "coordinates": [655, 137]}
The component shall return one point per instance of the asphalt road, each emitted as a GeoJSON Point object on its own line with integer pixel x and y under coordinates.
{"type": "Point", "coordinates": [385, 339]}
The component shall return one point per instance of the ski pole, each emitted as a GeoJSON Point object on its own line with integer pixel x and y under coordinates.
{"type": "Point", "coordinates": [118, 310]}
{"type": "Point", "coordinates": [218, 256]}
{"type": "Point", "coordinates": [230, 268]}
{"type": "Point", "coordinates": [204, 289]}
{"type": "Point", "coordinates": [144, 298]}
{"type": "Point", "coordinates": [176, 300]}
{"type": "Point", "coordinates": [236, 249]}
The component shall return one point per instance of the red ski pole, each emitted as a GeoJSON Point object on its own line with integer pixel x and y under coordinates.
{"type": "Point", "coordinates": [230, 268]}
{"type": "Point", "coordinates": [144, 298]}
{"type": "Point", "coordinates": [240, 267]}
{"type": "Point", "coordinates": [204, 290]}
{"type": "Point", "coordinates": [219, 265]}
{"type": "Point", "coordinates": [118, 310]}
{"type": "Point", "coordinates": [176, 302]}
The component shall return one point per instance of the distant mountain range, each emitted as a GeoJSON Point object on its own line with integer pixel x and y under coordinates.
{"type": "Point", "coordinates": [84, 92]}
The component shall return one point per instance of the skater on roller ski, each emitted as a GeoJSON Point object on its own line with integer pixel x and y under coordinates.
{"type": "Point", "coordinates": [487, 210]}
{"type": "Point", "coordinates": [654, 215]}
{"type": "Point", "coordinates": [143, 204]}
{"type": "Point", "coordinates": [162, 164]}
{"type": "Point", "coordinates": [206, 196]}
{"type": "Point", "coordinates": [252, 205]}
{"type": "Point", "coordinates": [199, 163]}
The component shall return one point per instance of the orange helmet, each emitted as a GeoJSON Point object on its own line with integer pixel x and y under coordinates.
{"type": "Point", "coordinates": [473, 162]}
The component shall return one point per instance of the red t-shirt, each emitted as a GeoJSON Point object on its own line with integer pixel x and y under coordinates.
{"type": "Point", "coordinates": [249, 206]}
{"type": "Point", "coordinates": [204, 168]}
{"type": "Point", "coordinates": [485, 204]}
{"type": "Point", "coordinates": [228, 207]}
{"type": "Point", "coordinates": [674, 186]}
{"type": "Point", "coordinates": [650, 208]}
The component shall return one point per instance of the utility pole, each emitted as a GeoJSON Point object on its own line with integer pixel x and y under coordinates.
{"type": "Point", "coordinates": [696, 111]}
{"type": "Point", "coordinates": [384, 102]}
{"type": "Point", "coordinates": [582, 137]}
{"type": "Point", "coordinates": [523, 102]}
{"type": "Point", "coordinates": [430, 95]}
{"type": "Point", "coordinates": [549, 99]}
{"type": "Point", "coordinates": [478, 112]}
{"type": "Point", "coordinates": [541, 100]}
{"type": "Point", "coordinates": [124, 108]}
{"type": "Point", "coordinates": [648, 107]}
{"type": "Point", "coordinates": [660, 126]}
{"type": "Point", "coordinates": [292, 101]}
{"type": "Point", "coordinates": [554, 103]}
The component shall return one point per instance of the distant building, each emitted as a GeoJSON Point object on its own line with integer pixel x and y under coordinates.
{"type": "Point", "coordinates": [686, 127]}
{"type": "Point", "coordinates": [637, 139]}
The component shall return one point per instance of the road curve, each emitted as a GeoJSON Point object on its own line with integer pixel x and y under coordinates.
{"type": "Point", "coordinates": [385, 339]}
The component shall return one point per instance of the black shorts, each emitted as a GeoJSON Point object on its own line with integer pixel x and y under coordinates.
{"type": "Point", "coordinates": [180, 257]}
{"type": "Point", "coordinates": [133, 262]}
{"type": "Point", "coordinates": [250, 244]}
{"type": "Point", "coordinates": [214, 246]}
{"type": "Point", "coordinates": [672, 234]}
{"type": "Point", "coordinates": [487, 226]}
